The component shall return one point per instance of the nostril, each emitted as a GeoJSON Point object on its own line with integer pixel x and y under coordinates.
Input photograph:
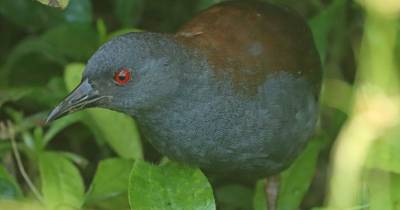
{"type": "Point", "coordinates": [77, 99]}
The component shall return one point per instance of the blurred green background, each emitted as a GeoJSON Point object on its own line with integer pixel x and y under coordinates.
{"type": "Point", "coordinates": [82, 162]}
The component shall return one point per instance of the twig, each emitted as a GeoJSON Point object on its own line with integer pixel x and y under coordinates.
{"type": "Point", "coordinates": [21, 168]}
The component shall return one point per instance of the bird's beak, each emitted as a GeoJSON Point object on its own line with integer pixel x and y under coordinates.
{"type": "Point", "coordinates": [82, 96]}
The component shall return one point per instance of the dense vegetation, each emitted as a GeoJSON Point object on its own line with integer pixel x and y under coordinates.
{"type": "Point", "coordinates": [85, 162]}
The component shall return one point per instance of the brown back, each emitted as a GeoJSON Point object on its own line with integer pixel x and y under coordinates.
{"type": "Point", "coordinates": [246, 41]}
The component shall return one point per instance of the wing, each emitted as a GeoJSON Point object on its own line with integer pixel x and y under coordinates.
{"type": "Point", "coordinates": [247, 41]}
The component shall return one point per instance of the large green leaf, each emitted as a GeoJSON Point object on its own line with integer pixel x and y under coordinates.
{"type": "Point", "coordinates": [62, 185]}
{"type": "Point", "coordinates": [9, 188]}
{"type": "Point", "coordinates": [111, 179]}
{"type": "Point", "coordinates": [169, 186]}
{"type": "Point", "coordinates": [127, 145]}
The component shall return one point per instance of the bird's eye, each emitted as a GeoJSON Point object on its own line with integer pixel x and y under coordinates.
{"type": "Point", "coordinates": [122, 76]}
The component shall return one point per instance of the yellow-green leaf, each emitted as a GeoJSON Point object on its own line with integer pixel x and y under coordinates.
{"type": "Point", "coordinates": [55, 3]}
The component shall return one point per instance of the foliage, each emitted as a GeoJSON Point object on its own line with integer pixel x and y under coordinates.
{"type": "Point", "coordinates": [80, 162]}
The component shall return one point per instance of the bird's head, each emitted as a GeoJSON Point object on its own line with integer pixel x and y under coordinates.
{"type": "Point", "coordinates": [131, 72]}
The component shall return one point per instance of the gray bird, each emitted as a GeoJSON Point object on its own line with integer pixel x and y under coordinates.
{"type": "Point", "coordinates": [234, 91]}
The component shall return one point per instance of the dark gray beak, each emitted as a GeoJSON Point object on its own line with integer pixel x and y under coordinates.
{"type": "Point", "coordinates": [83, 96]}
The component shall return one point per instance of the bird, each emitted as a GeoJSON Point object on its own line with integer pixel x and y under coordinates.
{"type": "Point", "coordinates": [233, 91]}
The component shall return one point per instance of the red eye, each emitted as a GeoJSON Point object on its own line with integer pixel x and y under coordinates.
{"type": "Point", "coordinates": [122, 76]}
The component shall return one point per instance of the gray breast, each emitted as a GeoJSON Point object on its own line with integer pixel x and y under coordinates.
{"type": "Point", "coordinates": [212, 127]}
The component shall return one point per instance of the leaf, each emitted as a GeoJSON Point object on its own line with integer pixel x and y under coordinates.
{"type": "Point", "coordinates": [52, 50]}
{"type": "Point", "coordinates": [111, 180]}
{"type": "Point", "coordinates": [60, 125]}
{"type": "Point", "coordinates": [13, 94]}
{"type": "Point", "coordinates": [73, 41]}
{"type": "Point", "coordinates": [9, 189]}
{"type": "Point", "coordinates": [129, 12]}
{"type": "Point", "coordinates": [62, 4]}
{"type": "Point", "coordinates": [204, 4]}
{"type": "Point", "coordinates": [20, 205]}
{"type": "Point", "coordinates": [234, 196]}
{"type": "Point", "coordinates": [395, 190]}
{"type": "Point", "coordinates": [62, 185]}
{"type": "Point", "coordinates": [296, 180]}
{"type": "Point", "coordinates": [384, 154]}
{"type": "Point", "coordinates": [337, 94]}
{"type": "Point", "coordinates": [78, 11]}
{"type": "Point", "coordinates": [379, 184]}
{"type": "Point", "coordinates": [170, 186]}
{"type": "Point", "coordinates": [31, 16]}
{"type": "Point", "coordinates": [127, 145]}
{"type": "Point", "coordinates": [260, 198]}
{"type": "Point", "coordinates": [121, 32]}
{"type": "Point", "coordinates": [322, 24]}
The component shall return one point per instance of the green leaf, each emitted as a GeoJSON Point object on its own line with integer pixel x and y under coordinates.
{"type": "Point", "coordinates": [204, 4]}
{"type": "Point", "coordinates": [322, 24]}
{"type": "Point", "coordinates": [73, 41]}
{"type": "Point", "coordinates": [260, 198]}
{"type": "Point", "coordinates": [32, 16]}
{"type": "Point", "coordinates": [127, 145]}
{"type": "Point", "coordinates": [129, 12]}
{"type": "Point", "coordinates": [55, 3]}
{"type": "Point", "coordinates": [379, 184]}
{"type": "Point", "coordinates": [9, 189]}
{"type": "Point", "coordinates": [296, 180]}
{"type": "Point", "coordinates": [384, 154]}
{"type": "Point", "coordinates": [111, 179]}
{"type": "Point", "coordinates": [234, 196]}
{"type": "Point", "coordinates": [60, 125]}
{"type": "Point", "coordinates": [78, 11]}
{"type": "Point", "coordinates": [170, 186]}
{"type": "Point", "coordinates": [62, 185]}
{"type": "Point", "coordinates": [395, 190]}
{"type": "Point", "coordinates": [50, 51]}
{"type": "Point", "coordinates": [121, 32]}
{"type": "Point", "coordinates": [12, 95]}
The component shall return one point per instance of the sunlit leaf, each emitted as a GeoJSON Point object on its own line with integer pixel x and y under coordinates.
{"type": "Point", "coordinates": [62, 185]}
{"type": "Point", "coordinates": [55, 3]}
{"type": "Point", "coordinates": [169, 186]}
{"type": "Point", "coordinates": [111, 180]}
{"type": "Point", "coordinates": [385, 153]}
{"type": "Point", "coordinates": [20, 205]}
{"type": "Point", "coordinates": [127, 145]}
{"type": "Point", "coordinates": [379, 184]}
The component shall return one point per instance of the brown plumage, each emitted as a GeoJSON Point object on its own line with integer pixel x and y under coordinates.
{"type": "Point", "coordinates": [246, 41]}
